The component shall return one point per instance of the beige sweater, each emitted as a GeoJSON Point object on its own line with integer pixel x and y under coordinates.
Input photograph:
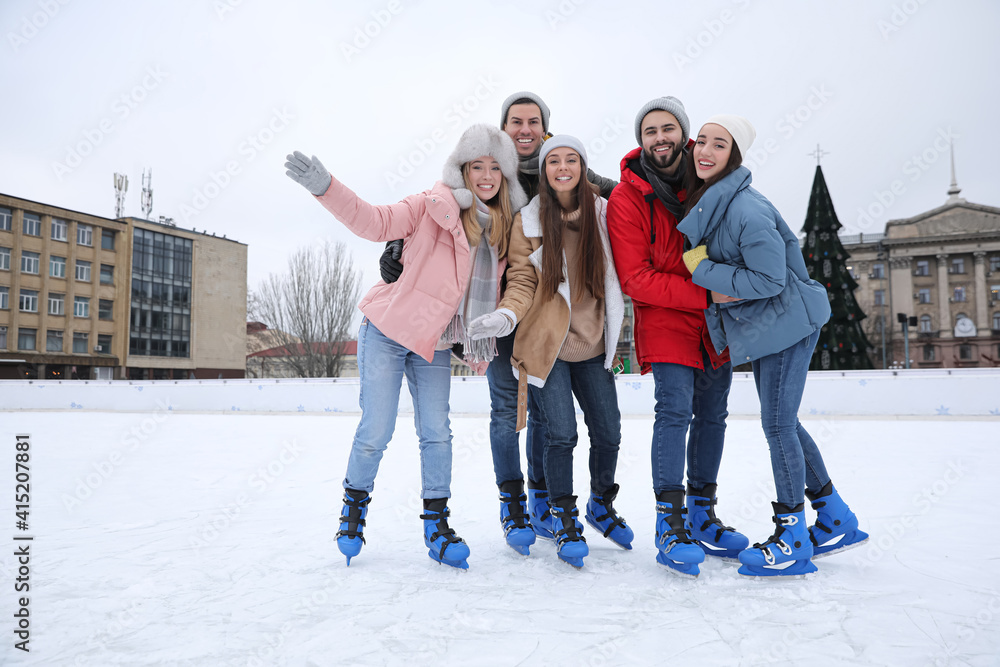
{"type": "Point", "coordinates": [585, 339]}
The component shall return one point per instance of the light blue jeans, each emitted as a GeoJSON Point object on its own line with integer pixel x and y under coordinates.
{"type": "Point", "coordinates": [795, 458]}
{"type": "Point", "coordinates": [382, 364]}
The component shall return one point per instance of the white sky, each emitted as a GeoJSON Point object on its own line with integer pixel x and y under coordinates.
{"type": "Point", "coordinates": [184, 87]}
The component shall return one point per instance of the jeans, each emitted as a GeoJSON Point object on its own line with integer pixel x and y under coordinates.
{"type": "Point", "coordinates": [795, 458]}
{"type": "Point", "coordinates": [682, 392]}
{"type": "Point", "coordinates": [594, 388]}
{"type": "Point", "coordinates": [382, 364]}
{"type": "Point", "coordinates": [503, 420]}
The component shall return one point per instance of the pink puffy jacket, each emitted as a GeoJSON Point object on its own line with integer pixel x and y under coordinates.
{"type": "Point", "coordinates": [414, 310]}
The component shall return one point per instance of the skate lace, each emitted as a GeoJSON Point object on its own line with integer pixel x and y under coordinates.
{"type": "Point", "coordinates": [442, 529]}
{"type": "Point", "coordinates": [712, 519]}
{"type": "Point", "coordinates": [353, 517]}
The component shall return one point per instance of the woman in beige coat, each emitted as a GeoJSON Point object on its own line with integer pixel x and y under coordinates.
{"type": "Point", "coordinates": [563, 290]}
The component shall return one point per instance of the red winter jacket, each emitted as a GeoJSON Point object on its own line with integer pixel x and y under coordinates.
{"type": "Point", "coordinates": [668, 309]}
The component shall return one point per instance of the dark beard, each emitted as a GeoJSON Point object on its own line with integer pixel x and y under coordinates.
{"type": "Point", "coordinates": [665, 161]}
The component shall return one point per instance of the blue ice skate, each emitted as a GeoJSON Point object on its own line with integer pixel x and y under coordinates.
{"type": "Point", "coordinates": [444, 545]}
{"type": "Point", "coordinates": [603, 518]}
{"type": "Point", "coordinates": [836, 528]}
{"type": "Point", "coordinates": [514, 518]}
{"type": "Point", "coordinates": [714, 538]}
{"type": "Point", "coordinates": [787, 553]}
{"type": "Point", "coordinates": [571, 546]}
{"type": "Point", "coordinates": [538, 510]}
{"type": "Point", "coordinates": [350, 537]}
{"type": "Point", "coordinates": [675, 548]}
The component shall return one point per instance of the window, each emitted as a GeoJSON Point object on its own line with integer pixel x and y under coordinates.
{"type": "Point", "coordinates": [996, 321]}
{"type": "Point", "coordinates": [104, 342]}
{"type": "Point", "coordinates": [6, 218]}
{"type": "Point", "coordinates": [26, 339]}
{"type": "Point", "coordinates": [880, 297]}
{"type": "Point", "coordinates": [83, 271]}
{"type": "Point", "coordinates": [57, 266]}
{"type": "Point", "coordinates": [53, 341]}
{"type": "Point", "coordinates": [994, 293]}
{"type": "Point", "coordinates": [80, 342]}
{"type": "Point", "coordinates": [924, 296]}
{"type": "Point", "coordinates": [928, 353]}
{"type": "Point", "coordinates": [81, 306]}
{"type": "Point", "coordinates": [29, 262]}
{"type": "Point", "coordinates": [84, 235]}
{"type": "Point", "coordinates": [57, 304]}
{"type": "Point", "coordinates": [3, 338]}
{"type": "Point", "coordinates": [29, 301]}
{"type": "Point", "coordinates": [994, 261]}
{"type": "Point", "coordinates": [965, 352]}
{"type": "Point", "coordinates": [107, 239]}
{"type": "Point", "coordinates": [878, 271]}
{"type": "Point", "coordinates": [3, 298]}
{"type": "Point", "coordinates": [923, 268]}
{"type": "Point", "coordinates": [32, 225]}
{"type": "Point", "coordinates": [59, 229]}
{"type": "Point", "coordinates": [107, 274]}
{"type": "Point", "coordinates": [959, 295]}
{"type": "Point", "coordinates": [5, 259]}
{"type": "Point", "coordinates": [105, 309]}
{"type": "Point", "coordinates": [957, 266]}
{"type": "Point", "coordinates": [925, 324]}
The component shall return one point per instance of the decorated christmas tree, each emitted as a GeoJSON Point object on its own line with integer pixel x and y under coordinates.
{"type": "Point", "coordinates": [842, 343]}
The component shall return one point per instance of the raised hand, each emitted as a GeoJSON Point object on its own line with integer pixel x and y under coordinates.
{"type": "Point", "coordinates": [308, 172]}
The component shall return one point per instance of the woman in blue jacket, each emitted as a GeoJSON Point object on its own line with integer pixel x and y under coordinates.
{"type": "Point", "coordinates": [769, 312]}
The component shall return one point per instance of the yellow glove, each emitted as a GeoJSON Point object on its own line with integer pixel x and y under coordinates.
{"type": "Point", "coordinates": [693, 257]}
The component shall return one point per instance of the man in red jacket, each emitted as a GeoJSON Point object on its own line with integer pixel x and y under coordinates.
{"type": "Point", "coordinates": [691, 378]}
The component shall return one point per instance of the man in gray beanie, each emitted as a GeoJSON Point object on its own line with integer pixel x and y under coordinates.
{"type": "Point", "coordinates": [691, 377]}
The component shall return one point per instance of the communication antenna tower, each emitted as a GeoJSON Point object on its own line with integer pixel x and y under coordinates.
{"type": "Point", "coordinates": [121, 187]}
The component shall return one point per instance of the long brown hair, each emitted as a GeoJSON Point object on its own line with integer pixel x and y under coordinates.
{"type": "Point", "coordinates": [501, 217]}
{"type": "Point", "coordinates": [696, 187]}
{"type": "Point", "coordinates": [590, 268]}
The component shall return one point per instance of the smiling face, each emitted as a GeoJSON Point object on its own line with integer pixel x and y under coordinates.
{"type": "Point", "coordinates": [711, 150]}
{"type": "Point", "coordinates": [524, 125]}
{"type": "Point", "coordinates": [563, 168]}
{"type": "Point", "coordinates": [485, 177]}
{"type": "Point", "coordinates": [662, 140]}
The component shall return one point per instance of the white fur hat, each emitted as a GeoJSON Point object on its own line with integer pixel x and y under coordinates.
{"type": "Point", "coordinates": [475, 142]}
{"type": "Point", "coordinates": [738, 126]}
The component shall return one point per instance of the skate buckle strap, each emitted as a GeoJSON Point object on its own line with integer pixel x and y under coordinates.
{"type": "Point", "coordinates": [710, 503]}
{"type": "Point", "coordinates": [443, 530]}
{"type": "Point", "coordinates": [570, 529]}
{"type": "Point", "coordinates": [353, 517]}
{"type": "Point", "coordinates": [819, 524]}
{"type": "Point", "coordinates": [609, 513]}
{"type": "Point", "coordinates": [517, 516]}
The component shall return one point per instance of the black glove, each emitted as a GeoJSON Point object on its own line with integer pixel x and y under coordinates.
{"type": "Point", "coordinates": [389, 265]}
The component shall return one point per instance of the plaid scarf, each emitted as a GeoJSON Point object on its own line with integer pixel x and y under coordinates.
{"type": "Point", "coordinates": [480, 295]}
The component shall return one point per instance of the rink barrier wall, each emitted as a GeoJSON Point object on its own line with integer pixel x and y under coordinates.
{"type": "Point", "coordinates": [971, 392]}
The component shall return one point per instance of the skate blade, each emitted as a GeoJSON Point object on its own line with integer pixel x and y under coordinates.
{"type": "Point", "coordinates": [796, 570]}
{"type": "Point", "coordinates": [626, 547]}
{"type": "Point", "coordinates": [840, 547]}
{"type": "Point", "coordinates": [520, 548]}
{"type": "Point", "coordinates": [457, 564]}
{"type": "Point", "coordinates": [689, 570]}
{"type": "Point", "coordinates": [576, 562]}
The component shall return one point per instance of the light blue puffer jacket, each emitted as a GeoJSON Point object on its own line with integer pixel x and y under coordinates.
{"type": "Point", "coordinates": [754, 256]}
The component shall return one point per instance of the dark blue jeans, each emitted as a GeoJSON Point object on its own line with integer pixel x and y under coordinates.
{"type": "Point", "coordinates": [795, 458]}
{"type": "Point", "coordinates": [689, 397]}
{"type": "Point", "coordinates": [503, 420]}
{"type": "Point", "coordinates": [594, 388]}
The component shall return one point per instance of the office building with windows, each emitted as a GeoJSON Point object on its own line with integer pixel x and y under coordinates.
{"type": "Point", "coordinates": [941, 268]}
{"type": "Point", "coordinates": [87, 297]}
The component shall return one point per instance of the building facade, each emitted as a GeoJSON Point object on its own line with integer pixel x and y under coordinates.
{"type": "Point", "coordinates": [941, 270]}
{"type": "Point", "coordinates": [87, 297]}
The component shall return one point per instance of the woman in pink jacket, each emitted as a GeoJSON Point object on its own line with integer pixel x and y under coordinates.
{"type": "Point", "coordinates": [455, 240]}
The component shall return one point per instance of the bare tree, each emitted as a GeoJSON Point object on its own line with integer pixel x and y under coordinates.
{"type": "Point", "coordinates": [310, 308]}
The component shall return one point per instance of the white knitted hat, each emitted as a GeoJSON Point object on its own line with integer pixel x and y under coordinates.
{"type": "Point", "coordinates": [479, 140]}
{"type": "Point", "coordinates": [738, 126]}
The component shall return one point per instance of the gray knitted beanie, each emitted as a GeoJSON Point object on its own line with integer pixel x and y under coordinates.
{"type": "Point", "coordinates": [671, 105]}
{"type": "Point", "coordinates": [525, 95]}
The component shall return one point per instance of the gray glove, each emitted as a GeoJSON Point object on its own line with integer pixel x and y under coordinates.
{"type": "Point", "coordinates": [497, 324]}
{"type": "Point", "coordinates": [309, 173]}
